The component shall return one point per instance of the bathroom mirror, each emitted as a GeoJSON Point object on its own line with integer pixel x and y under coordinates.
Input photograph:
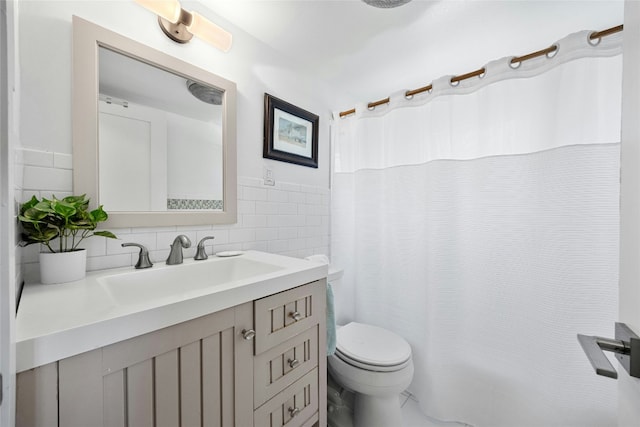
{"type": "Point", "coordinates": [154, 138]}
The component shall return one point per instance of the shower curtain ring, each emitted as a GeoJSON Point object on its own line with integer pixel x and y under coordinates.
{"type": "Point", "coordinates": [593, 41]}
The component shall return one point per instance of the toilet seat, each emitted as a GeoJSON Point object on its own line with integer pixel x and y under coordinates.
{"type": "Point", "coordinates": [372, 348]}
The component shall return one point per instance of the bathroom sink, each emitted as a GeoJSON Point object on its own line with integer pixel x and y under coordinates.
{"type": "Point", "coordinates": [113, 305]}
{"type": "Point", "coordinates": [185, 280]}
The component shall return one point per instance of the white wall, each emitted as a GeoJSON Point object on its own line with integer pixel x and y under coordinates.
{"type": "Point", "coordinates": [45, 30]}
{"type": "Point", "coordinates": [120, 133]}
{"type": "Point", "coordinates": [453, 37]}
{"type": "Point", "coordinates": [629, 291]}
{"type": "Point", "coordinates": [169, 156]}
{"type": "Point", "coordinates": [9, 255]}
{"type": "Point", "coordinates": [193, 147]}
{"type": "Point", "coordinates": [290, 218]}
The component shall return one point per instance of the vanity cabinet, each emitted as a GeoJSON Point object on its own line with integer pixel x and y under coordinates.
{"type": "Point", "coordinates": [210, 371]}
{"type": "Point", "coordinates": [290, 358]}
{"type": "Point", "coordinates": [190, 374]}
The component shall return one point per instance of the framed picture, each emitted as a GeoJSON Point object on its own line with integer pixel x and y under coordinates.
{"type": "Point", "coordinates": [290, 133]}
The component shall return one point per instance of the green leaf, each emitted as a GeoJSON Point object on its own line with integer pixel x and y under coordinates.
{"type": "Point", "coordinates": [82, 220]}
{"type": "Point", "coordinates": [44, 206]}
{"type": "Point", "coordinates": [99, 215]}
{"type": "Point", "coordinates": [43, 236]}
{"type": "Point", "coordinates": [28, 205]}
{"type": "Point", "coordinates": [64, 209]}
{"type": "Point", "coordinates": [105, 233]}
{"type": "Point", "coordinates": [32, 215]}
{"type": "Point", "coordinates": [75, 200]}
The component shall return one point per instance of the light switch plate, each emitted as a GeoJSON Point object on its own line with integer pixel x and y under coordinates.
{"type": "Point", "coordinates": [268, 176]}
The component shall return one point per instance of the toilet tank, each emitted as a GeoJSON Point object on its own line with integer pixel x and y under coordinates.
{"type": "Point", "coordinates": [334, 273]}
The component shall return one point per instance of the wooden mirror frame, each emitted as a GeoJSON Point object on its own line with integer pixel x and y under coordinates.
{"type": "Point", "coordinates": [87, 39]}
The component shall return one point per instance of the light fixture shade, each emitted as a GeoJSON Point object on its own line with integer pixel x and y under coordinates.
{"type": "Point", "coordinates": [167, 9]}
{"type": "Point", "coordinates": [210, 32]}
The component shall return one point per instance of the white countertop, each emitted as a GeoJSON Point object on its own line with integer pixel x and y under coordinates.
{"type": "Point", "coordinates": [59, 321]}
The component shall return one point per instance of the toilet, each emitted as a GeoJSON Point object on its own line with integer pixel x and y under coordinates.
{"type": "Point", "coordinates": [373, 363]}
{"type": "Point", "coordinates": [376, 365]}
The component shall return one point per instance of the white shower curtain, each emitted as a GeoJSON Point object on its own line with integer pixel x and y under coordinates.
{"type": "Point", "coordinates": [480, 222]}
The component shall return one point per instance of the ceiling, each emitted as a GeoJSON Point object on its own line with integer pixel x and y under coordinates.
{"type": "Point", "coordinates": [369, 53]}
{"type": "Point", "coordinates": [127, 79]}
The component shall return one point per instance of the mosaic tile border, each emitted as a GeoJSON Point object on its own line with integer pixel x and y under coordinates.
{"type": "Point", "coordinates": [194, 204]}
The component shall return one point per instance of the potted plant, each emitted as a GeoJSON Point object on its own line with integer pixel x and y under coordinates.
{"type": "Point", "coordinates": [70, 222]}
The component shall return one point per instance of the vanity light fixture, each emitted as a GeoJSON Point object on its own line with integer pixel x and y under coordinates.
{"type": "Point", "coordinates": [180, 25]}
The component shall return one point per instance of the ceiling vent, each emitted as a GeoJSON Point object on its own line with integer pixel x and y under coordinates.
{"type": "Point", "coordinates": [386, 4]}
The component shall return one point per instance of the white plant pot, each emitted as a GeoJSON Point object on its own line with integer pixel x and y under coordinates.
{"type": "Point", "coordinates": [62, 267]}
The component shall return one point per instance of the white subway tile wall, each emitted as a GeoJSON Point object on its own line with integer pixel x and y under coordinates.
{"type": "Point", "coordinates": [288, 219]}
{"type": "Point", "coordinates": [19, 196]}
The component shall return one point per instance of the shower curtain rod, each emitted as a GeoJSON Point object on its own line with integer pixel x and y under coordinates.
{"type": "Point", "coordinates": [515, 60]}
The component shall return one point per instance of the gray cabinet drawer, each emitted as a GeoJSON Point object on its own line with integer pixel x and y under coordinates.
{"type": "Point", "coordinates": [296, 406]}
{"type": "Point", "coordinates": [280, 366]}
{"type": "Point", "coordinates": [281, 316]}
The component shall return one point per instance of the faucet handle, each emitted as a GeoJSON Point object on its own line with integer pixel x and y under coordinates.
{"type": "Point", "coordinates": [143, 256]}
{"type": "Point", "coordinates": [201, 254]}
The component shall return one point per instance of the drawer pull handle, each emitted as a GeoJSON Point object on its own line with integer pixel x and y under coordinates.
{"type": "Point", "coordinates": [293, 412]}
{"type": "Point", "coordinates": [248, 334]}
{"type": "Point", "coordinates": [293, 363]}
{"type": "Point", "coordinates": [295, 316]}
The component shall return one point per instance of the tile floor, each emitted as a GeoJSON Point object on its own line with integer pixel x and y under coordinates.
{"type": "Point", "coordinates": [412, 417]}
{"type": "Point", "coordinates": [411, 414]}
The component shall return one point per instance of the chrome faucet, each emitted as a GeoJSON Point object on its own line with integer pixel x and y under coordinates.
{"type": "Point", "coordinates": [201, 253]}
{"type": "Point", "coordinates": [175, 256]}
{"type": "Point", "coordinates": [143, 257]}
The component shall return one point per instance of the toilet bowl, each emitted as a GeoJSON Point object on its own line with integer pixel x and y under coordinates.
{"type": "Point", "coordinates": [376, 365]}
{"type": "Point", "coordinates": [373, 363]}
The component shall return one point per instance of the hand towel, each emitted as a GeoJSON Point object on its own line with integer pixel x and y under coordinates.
{"type": "Point", "coordinates": [331, 322]}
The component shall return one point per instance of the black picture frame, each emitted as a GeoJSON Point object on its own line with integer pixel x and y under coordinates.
{"type": "Point", "coordinates": [290, 133]}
